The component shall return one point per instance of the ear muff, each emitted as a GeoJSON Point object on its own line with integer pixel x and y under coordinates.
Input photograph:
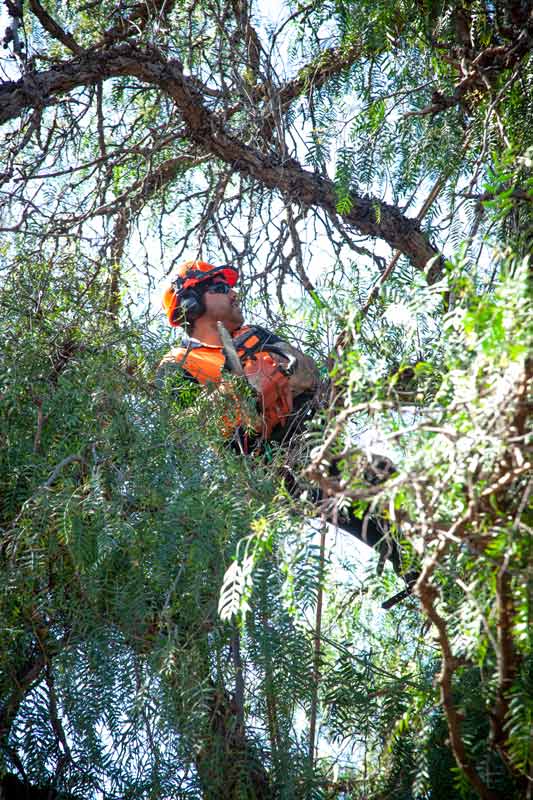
{"type": "Point", "coordinates": [191, 305]}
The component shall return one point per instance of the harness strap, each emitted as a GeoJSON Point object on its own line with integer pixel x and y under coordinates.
{"type": "Point", "coordinates": [258, 340]}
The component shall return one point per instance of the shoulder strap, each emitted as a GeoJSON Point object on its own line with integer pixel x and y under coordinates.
{"type": "Point", "coordinates": [253, 340]}
{"type": "Point", "coordinates": [257, 336]}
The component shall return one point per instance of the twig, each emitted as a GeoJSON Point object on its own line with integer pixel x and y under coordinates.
{"type": "Point", "coordinates": [41, 419]}
{"type": "Point", "coordinates": [239, 675]}
{"type": "Point", "coordinates": [62, 464]}
{"type": "Point", "coordinates": [54, 717]}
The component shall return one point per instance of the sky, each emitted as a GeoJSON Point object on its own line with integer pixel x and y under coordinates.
{"type": "Point", "coordinates": [8, 68]}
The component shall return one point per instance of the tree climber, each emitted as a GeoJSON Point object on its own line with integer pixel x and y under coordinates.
{"type": "Point", "coordinates": [201, 299]}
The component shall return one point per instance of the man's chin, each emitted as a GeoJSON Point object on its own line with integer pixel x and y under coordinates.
{"type": "Point", "coordinates": [234, 323]}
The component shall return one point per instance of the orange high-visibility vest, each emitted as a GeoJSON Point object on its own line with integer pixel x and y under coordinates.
{"type": "Point", "coordinates": [205, 364]}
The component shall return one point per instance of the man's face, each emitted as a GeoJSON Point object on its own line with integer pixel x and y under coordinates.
{"type": "Point", "coordinates": [223, 308]}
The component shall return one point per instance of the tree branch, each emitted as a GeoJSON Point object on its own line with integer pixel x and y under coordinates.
{"type": "Point", "coordinates": [55, 30]}
{"type": "Point", "coordinates": [368, 215]}
{"type": "Point", "coordinates": [507, 657]}
{"type": "Point", "coordinates": [136, 21]}
{"type": "Point", "coordinates": [477, 73]}
{"type": "Point", "coordinates": [23, 681]}
{"type": "Point", "coordinates": [428, 594]}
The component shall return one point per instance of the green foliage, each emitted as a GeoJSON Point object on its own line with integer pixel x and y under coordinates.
{"type": "Point", "coordinates": [159, 593]}
{"type": "Point", "coordinates": [118, 517]}
{"type": "Point", "coordinates": [458, 475]}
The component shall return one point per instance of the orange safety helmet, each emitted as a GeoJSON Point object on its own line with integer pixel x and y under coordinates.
{"type": "Point", "coordinates": [187, 276]}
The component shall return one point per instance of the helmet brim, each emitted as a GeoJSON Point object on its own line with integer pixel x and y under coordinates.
{"type": "Point", "coordinates": [230, 275]}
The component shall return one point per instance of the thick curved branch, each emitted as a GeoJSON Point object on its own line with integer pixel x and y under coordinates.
{"type": "Point", "coordinates": [370, 216]}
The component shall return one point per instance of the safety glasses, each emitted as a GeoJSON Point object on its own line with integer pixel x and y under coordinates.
{"type": "Point", "coordinates": [218, 288]}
